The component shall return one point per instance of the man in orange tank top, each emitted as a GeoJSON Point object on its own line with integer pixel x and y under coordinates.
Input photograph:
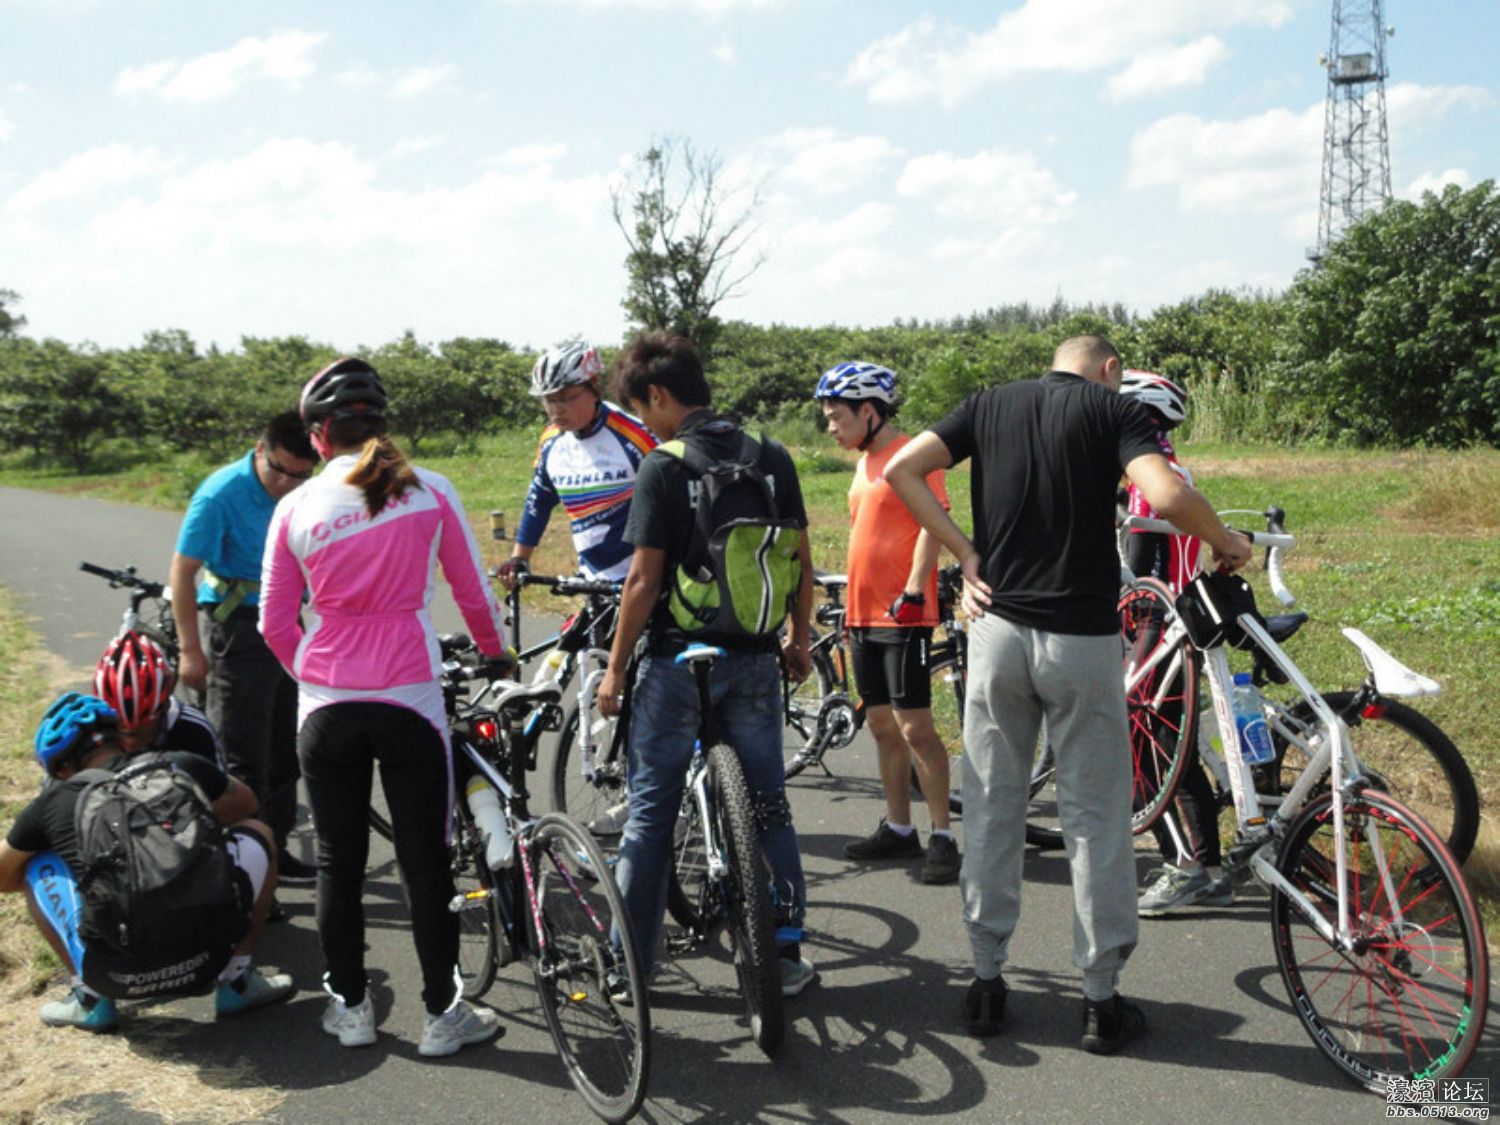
{"type": "Point", "coordinates": [892, 609]}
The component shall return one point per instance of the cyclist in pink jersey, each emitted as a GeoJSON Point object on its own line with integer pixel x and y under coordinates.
{"type": "Point", "coordinates": [1188, 832]}
{"type": "Point", "coordinates": [363, 539]}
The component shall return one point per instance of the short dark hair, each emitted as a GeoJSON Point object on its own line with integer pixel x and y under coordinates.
{"type": "Point", "coordinates": [286, 431]}
{"type": "Point", "coordinates": [661, 359]}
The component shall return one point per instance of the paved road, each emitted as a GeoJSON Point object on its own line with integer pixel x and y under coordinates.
{"type": "Point", "coordinates": [876, 1040]}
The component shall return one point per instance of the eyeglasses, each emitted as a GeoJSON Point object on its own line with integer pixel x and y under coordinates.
{"type": "Point", "coordinates": [305, 474]}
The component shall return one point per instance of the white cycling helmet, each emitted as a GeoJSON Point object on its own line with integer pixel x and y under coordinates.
{"type": "Point", "coordinates": [1158, 392]}
{"type": "Point", "coordinates": [855, 381]}
{"type": "Point", "coordinates": [565, 366]}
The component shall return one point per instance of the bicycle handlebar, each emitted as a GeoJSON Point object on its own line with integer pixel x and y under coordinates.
{"type": "Point", "coordinates": [125, 578]}
{"type": "Point", "coordinates": [1276, 540]}
{"type": "Point", "coordinates": [571, 585]}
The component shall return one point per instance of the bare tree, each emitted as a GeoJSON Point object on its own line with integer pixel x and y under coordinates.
{"type": "Point", "coordinates": [686, 230]}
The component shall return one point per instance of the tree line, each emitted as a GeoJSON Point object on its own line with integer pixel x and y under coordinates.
{"type": "Point", "coordinates": [1392, 338]}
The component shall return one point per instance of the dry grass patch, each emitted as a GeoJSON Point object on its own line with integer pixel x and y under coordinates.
{"type": "Point", "coordinates": [1457, 495]}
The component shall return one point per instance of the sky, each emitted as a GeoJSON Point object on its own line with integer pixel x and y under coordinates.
{"type": "Point", "coordinates": [349, 172]}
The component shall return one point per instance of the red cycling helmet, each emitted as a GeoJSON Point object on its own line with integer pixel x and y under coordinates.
{"type": "Point", "coordinates": [135, 677]}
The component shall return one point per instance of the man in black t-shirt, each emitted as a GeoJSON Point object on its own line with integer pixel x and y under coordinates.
{"type": "Point", "coordinates": [1041, 582]}
{"type": "Point", "coordinates": [660, 379]}
{"type": "Point", "coordinates": [40, 856]}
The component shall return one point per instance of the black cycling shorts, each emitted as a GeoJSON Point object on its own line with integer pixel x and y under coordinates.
{"type": "Point", "coordinates": [890, 667]}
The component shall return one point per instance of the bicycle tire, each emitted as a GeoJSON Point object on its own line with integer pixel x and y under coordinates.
{"type": "Point", "coordinates": [805, 716]}
{"type": "Point", "coordinates": [1162, 707]}
{"type": "Point", "coordinates": [690, 895]}
{"type": "Point", "coordinates": [584, 938]}
{"type": "Point", "coordinates": [1409, 999]}
{"type": "Point", "coordinates": [747, 900]}
{"type": "Point", "coordinates": [1399, 746]}
{"type": "Point", "coordinates": [948, 692]}
{"type": "Point", "coordinates": [381, 826]}
{"type": "Point", "coordinates": [479, 927]}
{"type": "Point", "coordinates": [572, 793]}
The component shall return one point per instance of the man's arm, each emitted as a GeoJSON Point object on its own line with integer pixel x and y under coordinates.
{"type": "Point", "coordinates": [1187, 509]}
{"type": "Point", "coordinates": [797, 651]}
{"type": "Point", "coordinates": [637, 600]}
{"type": "Point", "coordinates": [13, 863]}
{"type": "Point", "coordinates": [235, 804]}
{"type": "Point", "coordinates": [192, 668]}
{"type": "Point", "coordinates": [907, 476]}
{"type": "Point", "coordinates": [924, 559]}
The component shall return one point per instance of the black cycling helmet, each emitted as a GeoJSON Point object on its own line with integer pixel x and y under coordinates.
{"type": "Point", "coordinates": [346, 388]}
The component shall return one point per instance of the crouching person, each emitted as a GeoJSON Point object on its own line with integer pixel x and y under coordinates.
{"type": "Point", "coordinates": [202, 872]}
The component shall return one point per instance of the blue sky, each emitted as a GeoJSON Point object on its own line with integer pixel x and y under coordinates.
{"type": "Point", "coordinates": [349, 171]}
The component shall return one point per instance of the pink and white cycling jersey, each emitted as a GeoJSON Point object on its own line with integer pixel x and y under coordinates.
{"type": "Point", "coordinates": [1182, 550]}
{"type": "Point", "coordinates": [368, 631]}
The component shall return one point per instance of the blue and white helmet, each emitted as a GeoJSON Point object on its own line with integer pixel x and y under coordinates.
{"type": "Point", "coordinates": [853, 382]}
{"type": "Point", "coordinates": [565, 366]}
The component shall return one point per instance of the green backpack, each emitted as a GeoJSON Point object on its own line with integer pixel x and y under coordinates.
{"type": "Point", "coordinates": [742, 568]}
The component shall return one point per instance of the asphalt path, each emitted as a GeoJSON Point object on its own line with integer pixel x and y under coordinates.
{"type": "Point", "coordinates": [876, 1039]}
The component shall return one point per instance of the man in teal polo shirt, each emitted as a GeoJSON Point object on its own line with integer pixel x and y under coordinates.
{"type": "Point", "coordinates": [250, 698]}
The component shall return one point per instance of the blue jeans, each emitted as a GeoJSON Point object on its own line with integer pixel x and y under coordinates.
{"type": "Point", "coordinates": [745, 689]}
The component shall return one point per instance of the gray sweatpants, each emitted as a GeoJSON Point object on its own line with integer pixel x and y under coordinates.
{"type": "Point", "coordinates": [1017, 676]}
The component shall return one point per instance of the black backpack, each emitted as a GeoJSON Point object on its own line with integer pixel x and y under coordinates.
{"type": "Point", "coordinates": [163, 904]}
{"type": "Point", "coordinates": [742, 568]}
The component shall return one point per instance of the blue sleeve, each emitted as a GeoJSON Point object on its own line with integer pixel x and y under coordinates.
{"type": "Point", "coordinates": [541, 498]}
{"type": "Point", "coordinates": [203, 528]}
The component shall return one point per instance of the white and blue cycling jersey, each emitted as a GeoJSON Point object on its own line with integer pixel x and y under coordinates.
{"type": "Point", "coordinates": [592, 472]}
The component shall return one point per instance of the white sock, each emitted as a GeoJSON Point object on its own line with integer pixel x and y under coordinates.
{"type": "Point", "coordinates": [85, 989]}
{"type": "Point", "coordinates": [900, 829]}
{"type": "Point", "coordinates": [236, 968]}
{"type": "Point", "coordinates": [948, 832]}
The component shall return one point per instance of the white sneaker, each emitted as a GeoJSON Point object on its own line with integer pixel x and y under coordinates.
{"type": "Point", "coordinates": [354, 1026]}
{"type": "Point", "coordinates": [457, 1028]}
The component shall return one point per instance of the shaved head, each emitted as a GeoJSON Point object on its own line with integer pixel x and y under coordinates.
{"type": "Point", "coordinates": [1083, 354]}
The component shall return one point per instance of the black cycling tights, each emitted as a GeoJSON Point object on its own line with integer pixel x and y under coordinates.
{"type": "Point", "coordinates": [339, 746]}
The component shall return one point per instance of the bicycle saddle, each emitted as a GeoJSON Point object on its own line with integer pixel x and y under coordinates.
{"type": "Point", "coordinates": [1282, 626]}
{"type": "Point", "coordinates": [527, 695]}
{"type": "Point", "coordinates": [831, 581]}
{"type": "Point", "coordinates": [1390, 675]}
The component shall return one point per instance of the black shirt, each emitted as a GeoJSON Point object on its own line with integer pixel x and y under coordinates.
{"type": "Point", "coordinates": [666, 497]}
{"type": "Point", "coordinates": [1048, 454]}
{"type": "Point", "coordinates": [188, 729]}
{"type": "Point", "coordinates": [47, 823]}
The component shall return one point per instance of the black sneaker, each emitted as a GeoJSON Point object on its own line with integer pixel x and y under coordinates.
{"type": "Point", "coordinates": [984, 1006]}
{"type": "Point", "coordinates": [290, 869]}
{"type": "Point", "coordinates": [885, 843]}
{"type": "Point", "coordinates": [1109, 1024]}
{"type": "Point", "coordinates": [941, 864]}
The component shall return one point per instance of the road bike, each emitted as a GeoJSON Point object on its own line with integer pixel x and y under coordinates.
{"type": "Point", "coordinates": [1377, 938]}
{"type": "Point", "coordinates": [555, 905]}
{"type": "Point", "coordinates": [1402, 751]}
{"type": "Point", "coordinates": [719, 881]}
{"type": "Point", "coordinates": [145, 595]}
{"type": "Point", "coordinates": [822, 713]}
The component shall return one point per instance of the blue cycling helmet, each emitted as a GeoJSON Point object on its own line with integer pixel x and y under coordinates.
{"type": "Point", "coordinates": [853, 382]}
{"type": "Point", "coordinates": [72, 716]}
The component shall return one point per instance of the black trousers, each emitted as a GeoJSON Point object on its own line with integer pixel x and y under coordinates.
{"type": "Point", "coordinates": [340, 746]}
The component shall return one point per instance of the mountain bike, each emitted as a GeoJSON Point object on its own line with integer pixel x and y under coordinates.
{"type": "Point", "coordinates": [719, 881]}
{"type": "Point", "coordinates": [556, 904]}
{"type": "Point", "coordinates": [823, 713]}
{"type": "Point", "coordinates": [1377, 938]}
{"type": "Point", "coordinates": [154, 598]}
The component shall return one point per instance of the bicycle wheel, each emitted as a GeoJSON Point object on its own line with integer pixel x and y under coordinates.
{"type": "Point", "coordinates": [1408, 756]}
{"type": "Point", "coordinates": [1162, 706]}
{"type": "Point", "coordinates": [747, 899]}
{"type": "Point", "coordinates": [1408, 1000]}
{"type": "Point", "coordinates": [819, 716]}
{"type": "Point", "coordinates": [948, 720]}
{"type": "Point", "coordinates": [1043, 826]}
{"type": "Point", "coordinates": [585, 800]}
{"type": "Point", "coordinates": [475, 903]}
{"type": "Point", "coordinates": [584, 946]}
{"type": "Point", "coordinates": [691, 896]}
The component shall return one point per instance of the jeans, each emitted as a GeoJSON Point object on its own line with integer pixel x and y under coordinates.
{"type": "Point", "coordinates": [340, 745]}
{"type": "Point", "coordinates": [252, 703]}
{"type": "Point", "coordinates": [745, 690]}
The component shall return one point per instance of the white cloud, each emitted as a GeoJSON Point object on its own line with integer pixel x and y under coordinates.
{"type": "Point", "coordinates": [1436, 181]}
{"type": "Point", "coordinates": [723, 51]}
{"type": "Point", "coordinates": [88, 173]}
{"type": "Point", "coordinates": [1167, 68]}
{"type": "Point", "coordinates": [522, 155]}
{"type": "Point", "coordinates": [422, 80]}
{"type": "Point", "coordinates": [1006, 188]}
{"type": "Point", "coordinates": [707, 7]}
{"type": "Point", "coordinates": [285, 57]}
{"type": "Point", "coordinates": [847, 249]}
{"type": "Point", "coordinates": [18, 89]}
{"type": "Point", "coordinates": [1412, 106]}
{"type": "Point", "coordinates": [358, 76]}
{"type": "Point", "coordinates": [411, 146]}
{"type": "Point", "coordinates": [922, 61]}
{"type": "Point", "coordinates": [7, 126]}
{"type": "Point", "coordinates": [827, 161]}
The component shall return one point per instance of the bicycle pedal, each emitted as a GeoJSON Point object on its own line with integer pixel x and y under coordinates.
{"type": "Point", "coordinates": [682, 941]}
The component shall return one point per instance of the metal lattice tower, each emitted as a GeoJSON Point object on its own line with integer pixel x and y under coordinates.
{"type": "Point", "coordinates": [1356, 147]}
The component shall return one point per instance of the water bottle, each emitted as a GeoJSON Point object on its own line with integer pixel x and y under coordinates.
{"type": "Point", "coordinates": [484, 803]}
{"type": "Point", "coordinates": [1250, 720]}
